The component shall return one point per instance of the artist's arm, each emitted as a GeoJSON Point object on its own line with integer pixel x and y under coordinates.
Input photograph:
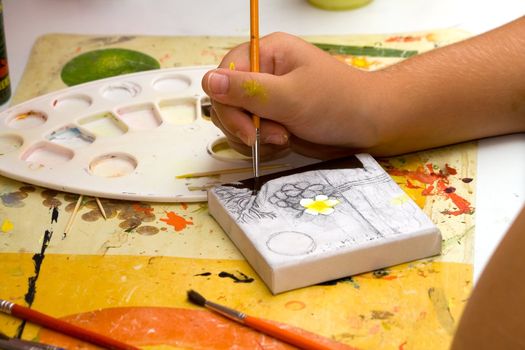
{"type": "Point", "coordinates": [493, 317]}
{"type": "Point", "coordinates": [309, 100]}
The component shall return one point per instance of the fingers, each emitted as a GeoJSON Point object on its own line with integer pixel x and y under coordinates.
{"type": "Point", "coordinates": [238, 127]}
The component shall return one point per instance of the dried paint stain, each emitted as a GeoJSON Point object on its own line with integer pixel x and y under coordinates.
{"type": "Point", "coordinates": [7, 226]}
{"type": "Point", "coordinates": [178, 222]}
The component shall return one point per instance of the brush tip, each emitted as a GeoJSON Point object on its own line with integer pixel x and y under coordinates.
{"type": "Point", "coordinates": [196, 298]}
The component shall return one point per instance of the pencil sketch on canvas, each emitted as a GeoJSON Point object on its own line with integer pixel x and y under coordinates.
{"type": "Point", "coordinates": [318, 213]}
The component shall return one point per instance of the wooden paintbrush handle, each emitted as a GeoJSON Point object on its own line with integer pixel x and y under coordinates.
{"type": "Point", "coordinates": [68, 328]}
{"type": "Point", "coordinates": [302, 341]}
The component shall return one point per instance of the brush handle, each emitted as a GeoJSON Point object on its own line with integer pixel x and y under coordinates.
{"type": "Point", "coordinates": [66, 328]}
{"type": "Point", "coordinates": [287, 335]}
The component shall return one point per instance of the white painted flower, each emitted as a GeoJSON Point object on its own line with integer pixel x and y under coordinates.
{"type": "Point", "coordinates": [320, 205]}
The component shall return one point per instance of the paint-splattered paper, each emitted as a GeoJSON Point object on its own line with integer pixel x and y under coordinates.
{"type": "Point", "coordinates": [145, 256]}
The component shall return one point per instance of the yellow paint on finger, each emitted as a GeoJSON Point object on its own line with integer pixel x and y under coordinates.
{"type": "Point", "coordinates": [232, 65]}
{"type": "Point", "coordinates": [7, 226]}
{"type": "Point", "coordinates": [253, 88]}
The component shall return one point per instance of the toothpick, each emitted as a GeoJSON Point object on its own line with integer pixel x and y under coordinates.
{"type": "Point", "coordinates": [72, 217]}
{"type": "Point", "coordinates": [229, 171]}
{"type": "Point", "coordinates": [101, 208]}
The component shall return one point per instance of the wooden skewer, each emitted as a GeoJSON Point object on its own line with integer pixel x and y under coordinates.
{"type": "Point", "coordinates": [72, 217]}
{"type": "Point", "coordinates": [229, 171]}
{"type": "Point", "coordinates": [101, 208]}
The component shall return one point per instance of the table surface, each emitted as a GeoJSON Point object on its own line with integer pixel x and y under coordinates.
{"type": "Point", "coordinates": [501, 161]}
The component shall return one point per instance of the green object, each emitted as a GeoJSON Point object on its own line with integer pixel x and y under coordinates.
{"type": "Point", "coordinates": [105, 63]}
{"type": "Point", "coordinates": [370, 51]}
{"type": "Point", "coordinates": [5, 82]}
{"type": "Point", "coordinates": [338, 5]}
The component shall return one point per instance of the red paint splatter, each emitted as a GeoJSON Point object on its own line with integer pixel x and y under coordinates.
{"type": "Point", "coordinates": [184, 206]}
{"type": "Point", "coordinates": [390, 278]}
{"type": "Point", "coordinates": [437, 184]}
{"type": "Point", "coordinates": [402, 345]}
{"type": "Point", "coordinates": [411, 185]}
{"type": "Point", "coordinates": [450, 170]}
{"type": "Point", "coordinates": [140, 209]}
{"type": "Point", "coordinates": [178, 222]}
{"type": "Point", "coordinates": [461, 203]}
{"type": "Point", "coordinates": [403, 39]}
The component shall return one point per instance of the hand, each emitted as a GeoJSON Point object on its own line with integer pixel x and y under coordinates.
{"type": "Point", "coordinates": [307, 100]}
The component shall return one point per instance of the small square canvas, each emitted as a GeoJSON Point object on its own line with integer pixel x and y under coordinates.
{"type": "Point", "coordinates": [323, 222]}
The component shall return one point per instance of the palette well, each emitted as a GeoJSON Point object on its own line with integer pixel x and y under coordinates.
{"type": "Point", "coordinates": [328, 221]}
{"type": "Point", "coordinates": [126, 137]}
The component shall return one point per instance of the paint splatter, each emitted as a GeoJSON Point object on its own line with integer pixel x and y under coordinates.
{"type": "Point", "coordinates": [232, 65]}
{"type": "Point", "coordinates": [178, 222]}
{"type": "Point", "coordinates": [54, 215]}
{"type": "Point", "coordinates": [7, 226]}
{"type": "Point", "coordinates": [205, 274]}
{"type": "Point", "coordinates": [253, 88]}
{"type": "Point", "coordinates": [295, 305]}
{"type": "Point", "coordinates": [14, 199]}
{"type": "Point", "coordinates": [38, 258]}
{"type": "Point", "coordinates": [147, 230]}
{"type": "Point", "coordinates": [242, 279]}
{"type": "Point", "coordinates": [435, 181]}
{"type": "Point", "coordinates": [381, 315]}
{"type": "Point", "coordinates": [403, 39]}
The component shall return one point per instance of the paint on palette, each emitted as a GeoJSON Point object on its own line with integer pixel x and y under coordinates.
{"type": "Point", "coordinates": [142, 117]}
{"type": "Point", "coordinates": [104, 125]}
{"type": "Point", "coordinates": [47, 155]}
{"type": "Point", "coordinates": [54, 215]}
{"type": "Point", "coordinates": [10, 143]}
{"type": "Point", "coordinates": [178, 222]}
{"type": "Point", "coordinates": [27, 120]}
{"type": "Point", "coordinates": [71, 136]}
{"type": "Point", "coordinates": [72, 103]}
{"type": "Point", "coordinates": [178, 111]}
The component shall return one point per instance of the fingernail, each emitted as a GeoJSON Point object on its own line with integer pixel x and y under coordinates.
{"type": "Point", "coordinates": [276, 139]}
{"type": "Point", "coordinates": [218, 83]}
{"type": "Point", "coordinates": [244, 138]}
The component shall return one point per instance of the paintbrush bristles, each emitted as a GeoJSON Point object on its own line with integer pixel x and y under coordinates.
{"type": "Point", "coordinates": [196, 298]}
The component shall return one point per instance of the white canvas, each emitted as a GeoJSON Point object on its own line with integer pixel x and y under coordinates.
{"type": "Point", "coordinates": [315, 226]}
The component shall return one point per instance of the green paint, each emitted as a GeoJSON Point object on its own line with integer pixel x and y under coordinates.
{"type": "Point", "coordinates": [105, 63]}
{"type": "Point", "coordinates": [370, 51]}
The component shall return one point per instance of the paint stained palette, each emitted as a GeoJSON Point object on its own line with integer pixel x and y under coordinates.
{"type": "Point", "coordinates": [126, 137]}
{"type": "Point", "coordinates": [323, 222]}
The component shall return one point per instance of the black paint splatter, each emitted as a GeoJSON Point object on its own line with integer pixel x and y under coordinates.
{"type": "Point", "coordinates": [54, 215]}
{"type": "Point", "coordinates": [205, 274]}
{"type": "Point", "coordinates": [450, 189]}
{"type": "Point", "coordinates": [242, 279]}
{"type": "Point", "coordinates": [31, 289]}
{"type": "Point", "coordinates": [467, 180]}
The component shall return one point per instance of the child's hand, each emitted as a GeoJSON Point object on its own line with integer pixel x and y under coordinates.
{"type": "Point", "coordinates": [307, 100]}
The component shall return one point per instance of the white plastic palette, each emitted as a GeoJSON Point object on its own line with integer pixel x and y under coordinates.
{"type": "Point", "coordinates": [126, 137]}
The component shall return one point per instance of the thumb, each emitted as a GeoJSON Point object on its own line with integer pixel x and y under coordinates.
{"type": "Point", "coordinates": [263, 94]}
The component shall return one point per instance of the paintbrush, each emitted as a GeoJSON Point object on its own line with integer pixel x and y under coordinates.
{"type": "Point", "coordinates": [263, 326]}
{"type": "Point", "coordinates": [8, 343]}
{"type": "Point", "coordinates": [254, 67]}
{"type": "Point", "coordinates": [62, 327]}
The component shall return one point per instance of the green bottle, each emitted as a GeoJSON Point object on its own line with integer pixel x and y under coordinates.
{"type": "Point", "coordinates": [5, 83]}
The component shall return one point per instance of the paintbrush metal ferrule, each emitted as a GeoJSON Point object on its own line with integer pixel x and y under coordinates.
{"type": "Point", "coordinates": [6, 306]}
{"type": "Point", "coordinates": [256, 157]}
{"type": "Point", "coordinates": [226, 311]}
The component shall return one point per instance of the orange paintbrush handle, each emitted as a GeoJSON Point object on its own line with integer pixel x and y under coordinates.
{"type": "Point", "coordinates": [254, 47]}
{"type": "Point", "coordinates": [69, 329]}
{"type": "Point", "coordinates": [289, 336]}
